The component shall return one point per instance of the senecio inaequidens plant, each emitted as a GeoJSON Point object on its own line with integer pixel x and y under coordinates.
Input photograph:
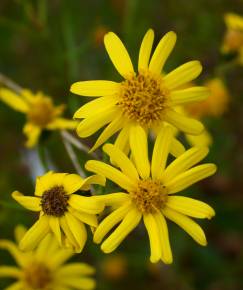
{"type": "Point", "coordinates": [148, 105]}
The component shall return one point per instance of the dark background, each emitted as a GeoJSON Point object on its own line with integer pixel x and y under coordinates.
{"type": "Point", "coordinates": [48, 45]}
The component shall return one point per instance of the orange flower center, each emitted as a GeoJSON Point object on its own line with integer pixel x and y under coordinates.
{"type": "Point", "coordinates": [37, 276]}
{"type": "Point", "coordinates": [42, 112]}
{"type": "Point", "coordinates": [149, 195]}
{"type": "Point", "coordinates": [143, 99]}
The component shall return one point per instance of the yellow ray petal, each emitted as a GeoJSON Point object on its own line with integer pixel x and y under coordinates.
{"type": "Point", "coordinates": [35, 234]}
{"type": "Point", "coordinates": [87, 204]}
{"type": "Point", "coordinates": [15, 286]}
{"type": "Point", "coordinates": [60, 257]}
{"type": "Point", "coordinates": [194, 94]}
{"type": "Point", "coordinates": [78, 230]}
{"type": "Point", "coordinates": [110, 130]}
{"type": "Point", "coordinates": [154, 238]}
{"type": "Point", "coordinates": [69, 237]}
{"type": "Point", "coordinates": [19, 232]}
{"type": "Point", "coordinates": [13, 100]}
{"type": "Point", "coordinates": [95, 88]}
{"type": "Point", "coordinates": [183, 123]}
{"type": "Point", "coordinates": [76, 269]}
{"type": "Point", "coordinates": [115, 200]}
{"type": "Point", "coordinates": [118, 54]}
{"type": "Point", "coordinates": [187, 224]}
{"type": "Point", "coordinates": [130, 221]}
{"type": "Point", "coordinates": [161, 150]}
{"type": "Point", "coordinates": [162, 52]}
{"type": "Point", "coordinates": [93, 179]}
{"type": "Point", "coordinates": [55, 228]}
{"type": "Point", "coordinates": [190, 207]}
{"type": "Point", "coordinates": [166, 253]}
{"type": "Point", "coordinates": [190, 177]}
{"type": "Point", "coordinates": [188, 159]}
{"type": "Point", "coordinates": [110, 221]}
{"type": "Point", "coordinates": [145, 50]}
{"type": "Point", "coordinates": [72, 183]}
{"type": "Point", "coordinates": [79, 283]}
{"type": "Point", "coordinates": [139, 149]}
{"type": "Point", "coordinates": [121, 160]}
{"type": "Point", "coordinates": [86, 218]}
{"type": "Point", "coordinates": [111, 173]}
{"type": "Point", "coordinates": [204, 139]}
{"type": "Point", "coordinates": [29, 202]}
{"type": "Point", "coordinates": [62, 124]}
{"type": "Point", "coordinates": [176, 148]}
{"type": "Point", "coordinates": [90, 125]}
{"type": "Point", "coordinates": [32, 132]}
{"type": "Point", "coordinates": [183, 74]}
{"type": "Point", "coordinates": [43, 183]}
{"type": "Point", "coordinates": [94, 107]}
{"type": "Point", "coordinates": [14, 251]}
{"type": "Point", "coordinates": [43, 248]}
{"type": "Point", "coordinates": [8, 271]}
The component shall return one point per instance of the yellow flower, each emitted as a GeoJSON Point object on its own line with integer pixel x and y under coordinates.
{"type": "Point", "coordinates": [215, 105]}
{"type": "Point", "coordinates": [40, 112]}
{"type": "Point", "coordinates": [233, 40]}
{"type": "Point", "coordinates": [142, 100]}
{"type": "Point", "coordinates": [148, 193]}
{"type": "Point", "coordinates": [44, 268]}
{"type": "Point", "coordinates": [61, 210]}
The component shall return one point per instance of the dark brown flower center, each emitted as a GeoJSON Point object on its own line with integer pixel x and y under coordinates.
{"type": "Point", "coordinates": [149, 195]}
{"type": "Point", "coordinates": [37, 276]}
{"type": "Point", "coordinates": [55, 201]}
{"type": "Point", "coordinates": [143, 99]}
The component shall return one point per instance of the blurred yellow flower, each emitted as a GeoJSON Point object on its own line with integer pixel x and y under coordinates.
{"type": "Point", "coordinates": [215, 105]}
{"type": "Point", "coordinates": [44, 268]}
{"type": "Point", "coordinates": [114, 267]}
{"type": "Point", "coordinates": [61, 210]}
{"type": "Point", "coordinates": [149, 193]}
{"type": "Point", "coordinates": [142, 100]}
{"type": "Point", "coordinates": [233, 40]}
{"type": "Point", "coordinates": [40, 112]}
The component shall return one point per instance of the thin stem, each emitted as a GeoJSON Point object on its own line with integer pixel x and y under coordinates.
{"type": "Point", "coordinates": [10, 84]}
{"type": "Point", "coordinates": [75, 142]}
{"type": "Point", "coordinates": [73, 157]}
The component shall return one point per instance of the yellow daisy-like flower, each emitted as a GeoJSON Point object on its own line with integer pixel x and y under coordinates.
{"type": "Point", "coordinates": [40, 112]}
{"type": "Point", "coordinates": [44, 268]}
{"type": "Point", "coordinates": [149, 193]}
{"type": "Point", "coordinates": [61, 210]}
{"type": "Point", "coordinates": [142, 100]}
{"type": "Point", "coordinates": [215, 105]}
{"type": "Point", "coordinates": [233, 40]}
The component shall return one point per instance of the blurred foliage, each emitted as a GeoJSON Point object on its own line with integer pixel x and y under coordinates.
{"type": "Point", "coordinates": [47, 45]}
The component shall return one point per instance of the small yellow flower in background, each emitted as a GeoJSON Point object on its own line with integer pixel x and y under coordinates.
{"type": "Point", "coordinates": [40, 112]}
{"type": "Point", "coordinates": [233, 40]}
{"type": "Point", "coordinates": [61, 210]}
{"type": "Point", "coordinates": [149, 193]}
{"type": "Point", "coordinates": [114, 267]}
{"type": "Point", "coordinates": [45, 268]}
{"type": "Point", "coordinates": [142, 100]}
{"type": "Point", "coordinates": [215, 105]}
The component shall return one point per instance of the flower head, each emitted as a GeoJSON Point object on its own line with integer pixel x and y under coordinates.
{"type": "Point", "coordinates": [215, 105]}
{"type": "Point", "coordinates": [62, 210]}
{"type": "Point", "coordinates": [149, 189]}
{"type": "Point", "coordinates": [44, 269]}
{"type": "Point", "coordinates": [144, 99]}
{"type": "Point", "coordinates": [40, 112]}
{"type": "Point", "coordinates": [233, 40]}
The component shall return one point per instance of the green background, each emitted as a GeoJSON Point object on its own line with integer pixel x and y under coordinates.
{"type": "Point", "coordinates": [48, 45]}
